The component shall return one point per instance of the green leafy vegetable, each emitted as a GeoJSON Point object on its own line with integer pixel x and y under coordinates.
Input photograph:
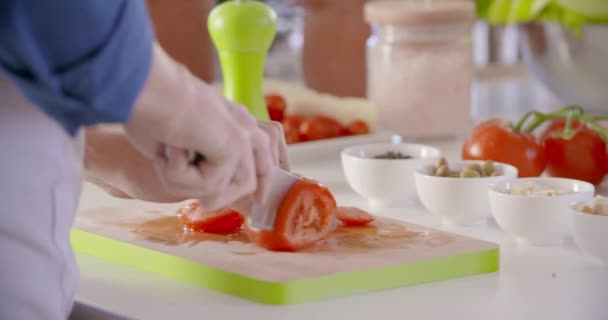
{"type": "Point", "coordinates": [572, 14]}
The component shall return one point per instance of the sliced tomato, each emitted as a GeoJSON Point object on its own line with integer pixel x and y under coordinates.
{"type": "Point", "coordinates": [304, 217]}
{"type": "Point", "coordinates": [276, 106]}
{"type": "Point", "coordinates": [353, 217]}
{"type": "Point", "coordinates": [219, 221]}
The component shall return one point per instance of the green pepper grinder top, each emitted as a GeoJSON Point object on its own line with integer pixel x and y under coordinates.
{"type": "Point", "coordinates": [242, 32]}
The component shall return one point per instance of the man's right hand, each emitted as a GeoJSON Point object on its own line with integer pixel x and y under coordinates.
{"type": "Point", "coordinates": [178, 113]}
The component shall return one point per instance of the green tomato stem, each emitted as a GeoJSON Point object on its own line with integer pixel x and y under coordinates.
{"type": "Point", "coordinates": [520, 123]}
{"type": "Point", "coordinates": [570, 113]}
{"type": "Point", "coordinates": [559, 114]}
{"type": "Point", "coordinates": [603, 132]}
{"type": "Point", "coordinates": [568, 132]}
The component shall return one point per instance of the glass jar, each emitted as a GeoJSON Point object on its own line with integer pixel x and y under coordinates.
{"type": "Point", "coordinates": [420, 66]}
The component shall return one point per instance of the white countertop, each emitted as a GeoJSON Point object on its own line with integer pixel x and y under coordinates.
{"type": "Point", "coordinates": [554, 282]}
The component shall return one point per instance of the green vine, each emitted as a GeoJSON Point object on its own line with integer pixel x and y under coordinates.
{"type": "Point", "coordinates": [533, 119]}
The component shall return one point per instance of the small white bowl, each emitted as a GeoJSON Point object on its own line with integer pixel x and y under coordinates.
{"type": "Point", "coordinates": [589, 232]}
{"type": "Point", "coordinates": [385, 182]}
{"type": "Point", "coordinates": [537, 219]}
{"type": "Point", "coordinates": [458, 201]}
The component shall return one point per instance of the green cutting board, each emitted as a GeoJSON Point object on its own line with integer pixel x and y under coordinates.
{"type": "Point", "coordinates": [386, 255]}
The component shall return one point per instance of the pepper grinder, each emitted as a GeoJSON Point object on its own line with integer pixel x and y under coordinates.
{"type": "Point", "coordinates": [242, 32]}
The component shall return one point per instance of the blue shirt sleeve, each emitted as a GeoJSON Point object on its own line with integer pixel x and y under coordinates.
{"type": "Point", "coordinates": [83, 62]}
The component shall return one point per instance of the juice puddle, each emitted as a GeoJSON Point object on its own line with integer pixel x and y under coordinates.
{"type": "Point", "coordinates": [170, 231]}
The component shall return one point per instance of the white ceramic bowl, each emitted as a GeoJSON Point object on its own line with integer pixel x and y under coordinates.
{"type": "Point", "coordinates": [459, 201]}
{"type": "Point", "coordinates": [385, 182]}
{"type": "Point", "coordinates": [589, 232]}
{"type": "Point", "coordinates": [537, 219]}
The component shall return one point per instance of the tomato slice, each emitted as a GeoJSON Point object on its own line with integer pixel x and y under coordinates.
{"type": "Point", "coordinates": [276, 106]}
{"type": "Point", "coordinates": [353, 217]}
{"type": "Point", "coordinates": [220, 221]}
{"type": "Point", "coordinates": [304, 217]}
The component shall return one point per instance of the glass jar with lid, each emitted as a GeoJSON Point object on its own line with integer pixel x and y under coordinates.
{"type": "Point", "coordinates": [420, 65]}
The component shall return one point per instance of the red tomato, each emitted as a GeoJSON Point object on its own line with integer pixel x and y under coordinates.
{"type": "Point", "coordinates": [353, 217]}
{"type": "Point", "coordinates": [581, 157]}
{"type": "Point", "coordinates": [356, 127]}
{"type": "Point", "coordinates": [304, 217]}
{"type": "Point", "coordinates": [276, 106]}
{"type": "Point", "coordinates": [495, 140]}
{"type": "Point", "coordinates": [319, 127]}
{"type": "Point", "coordinates": [220, 221]}
{"type": "Point", "coordinates": [291, 127]}
{"type": "Point", "coordinates": [292, 121]}
{"type": "Point", "coordinates": [292, 135]}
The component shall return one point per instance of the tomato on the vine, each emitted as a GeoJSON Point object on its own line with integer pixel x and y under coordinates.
{"type": "Point", "coordinates": [496, 140]}
{"type": "Point", "coordinates": [581, 156]}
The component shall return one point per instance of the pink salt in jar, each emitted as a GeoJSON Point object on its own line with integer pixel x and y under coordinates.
{"type": "Point", "coordinates": [420, 65]}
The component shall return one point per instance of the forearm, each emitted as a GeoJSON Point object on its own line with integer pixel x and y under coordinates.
{"type": "Point", "coordinates": [113, 164]}
{"type": "Point", "coordinates": [102, 159]}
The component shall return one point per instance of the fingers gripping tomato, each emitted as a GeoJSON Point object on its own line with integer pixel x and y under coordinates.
{"type": "Point", "coordinates": [304, 217]}
{"type": "Point", "coordinates": [495, 140]}
{"type": "Point", "coordinates": [580, 156]}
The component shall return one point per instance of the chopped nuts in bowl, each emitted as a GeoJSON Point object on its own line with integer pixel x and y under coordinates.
{"type": "Point", "coordinates": [535, 210]}
{"type": "Point", "coordinates": [457, 191]}
{"type": "Point", "coordinates": [588, 224]}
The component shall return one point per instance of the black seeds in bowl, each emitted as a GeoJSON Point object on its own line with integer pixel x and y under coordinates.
{"type": "Point", "coordinates": [393, 155]}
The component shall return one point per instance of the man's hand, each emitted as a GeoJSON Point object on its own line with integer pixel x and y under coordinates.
{"type": "Point", "coordinates": [113, 164]}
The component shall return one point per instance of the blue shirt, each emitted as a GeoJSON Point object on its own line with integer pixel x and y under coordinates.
{"type": "Point", "coordinates": [83, 62]}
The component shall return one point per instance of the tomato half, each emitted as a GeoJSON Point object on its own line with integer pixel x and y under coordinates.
{"type": "Point", "coordinates": [291, 127]}
{"type": "Point", "coordinates": [495, 140]}
{"type": "Point", "coordinates": [319, 127]}
{"type": "Point", "coordinates": [276, 106]}
{"type": "Point", "coordinates": [304, 217]}
{"type": "Point", "coordinates": [356, 127]}
{"type": "Point", "coordinates": [219, 221]}
{"type": "Point", "coordinates": [353, 217]}
{"type": "Point", "coordinates": [581, 157]}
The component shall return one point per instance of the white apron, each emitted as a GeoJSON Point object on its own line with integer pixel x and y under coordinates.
{"type": "Point", "coordinates": [40, 183]}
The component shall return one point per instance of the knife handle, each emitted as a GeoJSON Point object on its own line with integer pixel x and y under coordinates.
{"type": "Point", "coordinates": [194, 157]}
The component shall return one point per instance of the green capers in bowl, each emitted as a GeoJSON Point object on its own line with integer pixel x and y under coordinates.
{"type": "Point", "coordinates": [474, 170]}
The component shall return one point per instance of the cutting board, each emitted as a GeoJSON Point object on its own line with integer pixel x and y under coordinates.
{"type": "Point", "coordinates": [387, 254]}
